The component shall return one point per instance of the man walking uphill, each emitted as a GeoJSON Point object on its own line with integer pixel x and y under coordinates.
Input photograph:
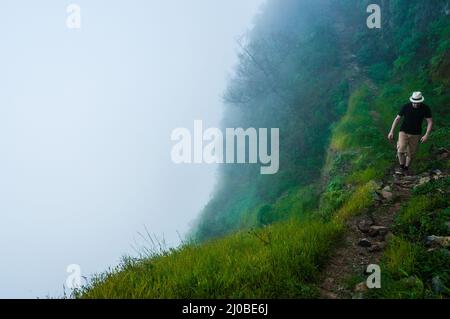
{"type": "Point", "coordinates": [411, 129]}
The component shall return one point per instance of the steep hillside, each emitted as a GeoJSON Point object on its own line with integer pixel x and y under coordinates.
{"type": "Point", "coordinates": [332, 86]}
{"type": "Point", "coordinates": [298, 68]}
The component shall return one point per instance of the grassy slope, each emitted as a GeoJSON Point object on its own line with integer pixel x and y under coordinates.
{"type": "Point", "coordinates": [284, 259]}
{"type": "Point", "coordinates": [277, 261]}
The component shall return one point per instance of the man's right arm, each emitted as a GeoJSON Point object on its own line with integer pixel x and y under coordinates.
{"type": "Point", "coordinates": [394, 124]}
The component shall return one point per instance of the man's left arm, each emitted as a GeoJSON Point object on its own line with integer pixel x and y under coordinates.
{"type": "Point", "coordinates": [429, 127]}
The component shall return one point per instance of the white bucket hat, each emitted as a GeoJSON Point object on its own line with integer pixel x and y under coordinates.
{"type": "Point", "coordinates": [417, 97]}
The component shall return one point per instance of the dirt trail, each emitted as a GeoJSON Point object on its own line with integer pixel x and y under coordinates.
{"type": "Point", "coordinates": [366, 236]}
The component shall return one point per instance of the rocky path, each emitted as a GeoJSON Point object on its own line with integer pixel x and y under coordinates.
{"type": "Point", "coordinates": [366, 237]}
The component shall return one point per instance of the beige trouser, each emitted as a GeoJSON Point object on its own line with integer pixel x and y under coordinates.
{"type": "Point", "coordinates": [407, 147]}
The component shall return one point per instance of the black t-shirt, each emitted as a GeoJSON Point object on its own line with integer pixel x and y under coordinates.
{"type": "Point", "coordinates": [413, 118]}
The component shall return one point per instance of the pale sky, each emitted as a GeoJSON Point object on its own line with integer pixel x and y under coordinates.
{"type": "Point", "coordinates": [85, 123]}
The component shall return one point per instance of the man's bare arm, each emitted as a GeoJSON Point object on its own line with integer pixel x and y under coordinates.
{"type": "Point", "coordinates": [429, 127]}
{"type": "Point", "coordinates": [394, 125]}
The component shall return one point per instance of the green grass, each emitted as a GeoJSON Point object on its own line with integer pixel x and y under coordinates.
{"type": "Point", "coordinates": [278, 261]}
{"type": "Point", "coordinates": [282, 260]}
{"type": "Point", "coordinates": [400, 257]}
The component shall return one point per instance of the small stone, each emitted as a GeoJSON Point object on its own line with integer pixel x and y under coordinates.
{"type": "Point", "coordinates": [386, 195]}
{"type": "Point", "coordinates": [364, 225]}
{"type": "Point", "coordinates": [377, 230]}
{"type": "Point", "coordinates": [436, 241]}
{"type": "Point", "coordinates": [437, 172]}
{"type": "Point", "coordinates": [444, 155]}
{"type": "Point", "coordinates": [410, 178]}
{"type": "Point", "coordinates": [364, 242]}
{"type": "Point", "coordinates": [378, 246]}
{"type": "Point", "coordinates": [387, 188]}
{"type": "Point", "coordinates": [424, 180]}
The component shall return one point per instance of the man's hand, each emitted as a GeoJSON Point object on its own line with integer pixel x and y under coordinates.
{"type": "Point", "coordinates": [391, 136]}
{"type": "Point", "coordinates": [424, 138]}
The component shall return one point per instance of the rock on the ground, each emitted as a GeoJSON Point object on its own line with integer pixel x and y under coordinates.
{"type": "Point", "coordinates": [436, 241]}
{"type": "Point", "coordinates": [378, 230]}
{"type": "Point", "coordinates": [386, 195]}
{"type": "Point", "coordinates": [424, 180]}
{"type": "Point", "coordinates": [443, 153]}
{"type": "Point", "coordinates": [364, 242]}
{"type": "Point", "coordinates": [437, 174]}
{"type": "Point", "coordinates": [378, 246]}
{"type": "Point", "coordinates": [364, 225]}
